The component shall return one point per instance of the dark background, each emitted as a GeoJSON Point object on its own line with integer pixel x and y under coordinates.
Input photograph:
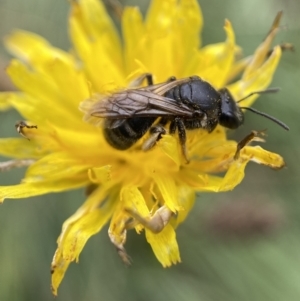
{"type": "Point", "coordinates": [240, 245]}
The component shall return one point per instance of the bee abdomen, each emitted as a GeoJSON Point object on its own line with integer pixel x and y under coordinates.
{"type": "Point", "coordinates": [131, 130]}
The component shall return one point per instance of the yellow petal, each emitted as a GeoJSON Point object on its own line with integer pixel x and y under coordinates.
{"type": "Point", "coordinates": [192, 178]}
{"type": "Point", "coordinates": [56, 166]}
{"type": "Point", "coordinates": [262, 51]}
{"type": "Point", "coordinates": [214, 62]}
{"type": "Point", "coordinates": [66, 77]}
{"type": "Point", "coordinates": [261, 156]}
{"type": "Point", "coordinates": [164, 246]}
{"type": "Point", "coordinates": [98, 25]}
{"type": "Point", "coordinates": [162, 51]}
{"type": "Point", "coordinates": [38, 100]}
{"type": "Point", "coordinates": [200, 142]}
{"type": "Point", "coordinates": [134, 200]}
{"type": "Point", "coordinates": [20, 148]}
{"type": "Point", "coordinates": [117, 229]}
{"type": "Point", "coordinates": [33, 49]}
{"type": "Point", "coordinates": [168, 190]}
{"type": "Point", "coordinates": [186, 198]}
{"type": "Point", "coordinates": [134, 37]}
{"type": "Point", "coordinates": [191, 23]}
{"type": "Point", "coordinates": [169, 145]}
{"type": "Point", "coordinates": [238, 67]}
{"type": "Point", "coordinates": [59, 267]}
{"type": "Point", "coordinates": [232, 178]}
{"type": "Point", "coordinates": [88, 142]}
{"type": "Point", "coordinates": [26, 190]}
{"type": "Point", "coordinates": [100, 175]}
{"type": "Point", "coordinates": [76, 231]}
{"type": "Point", "coordinates": [257, 80]}
{"type": "Point", "coordinates": [4, 101]}
{"type": "Point", "coordinates": [173, 34]}
{"type": "Point", "coordinates": [97, 44]}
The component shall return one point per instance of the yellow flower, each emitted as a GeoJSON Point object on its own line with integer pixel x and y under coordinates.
{"type": "Point", "coordinates": [152, 191]}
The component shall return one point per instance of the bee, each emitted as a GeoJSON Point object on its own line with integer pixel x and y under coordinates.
{"type": "Point", "coordinates": [182, 104]}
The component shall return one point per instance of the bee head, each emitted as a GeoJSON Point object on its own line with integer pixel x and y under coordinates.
{"type": "Point", "coordinates": [231, 114]}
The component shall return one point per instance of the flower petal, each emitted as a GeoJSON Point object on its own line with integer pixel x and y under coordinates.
{"type": "Point", "coordinates": [213, 62]}
{"type": "Point", "coordinates": [169, 191]}
{"type": "Point", "coordinates": [164, 245]}
{"type": "Point", "coordinates": [33, 49]}
{"type": "Point", "coordinates": [134, 200]}
{"type": "Point", "coordinates": [238, 67]}
{"type": "Point", "coordinates": [97, 44]}
{"type": "Point", "coordinates": [133, 30]}
{"type": "Point", "coordinates": [169, 146]}
{"type": "Point", "coordinates": [4, 101]}
{"type": "Point", "coordinates": [130, 198]}
{"type": "Point", "coordinates": [26, 190]}
{"type": "Point", "coordinates": [191, 23]}
{"type": "Point", "coordinates": [40, 91]}
{"type": "Point", "coordinates": [53, 173]}
{"type": "Point", "coordinates": [56, 166]}
{"type": "Point", "coordinates": [261, 156]}
{"type": "Point", "coordinates": [232, 178]}
{"type": "Point", "coordinates": [234, 175]}
{"type": "Point", "coordinates": [77, 230]}
{"type": "Point", "coordinates": [172, 33]}
{"type": "Point", "coordinates": [257, 80]}
{"type": "Point", "coordinates": [261, 52]}
{"type": "Point", "coordinates": [100, 175]}
{"type": "Point", "coordinates": [186, 197]}
{"type": "Point", "coordinates": [20, 148]}
{"type": "Point", "coordinates": [160, 25]}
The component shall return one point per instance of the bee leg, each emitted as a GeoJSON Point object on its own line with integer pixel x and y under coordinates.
{"type": "Point", "coordinates": [155, 223]}
{"type": "Point", "coordinates": [253, 136]}
{"type": "Point", "coordinates": [149, 79]}
{"type": "Point", "coordinates": [178, 123]}
{"type": "Point", "coordinates": [155, 134]}
{"type": "Point", "coordinates": [137, 82]}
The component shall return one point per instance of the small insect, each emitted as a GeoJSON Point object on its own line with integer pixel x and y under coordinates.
{"type": "Point", "coordinates": [20, 125]}
{"type": "Point", "coordinates": [183, 104]}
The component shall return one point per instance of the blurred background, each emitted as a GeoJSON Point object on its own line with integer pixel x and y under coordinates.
{"type": "Point", "coordinates": [239, 245]}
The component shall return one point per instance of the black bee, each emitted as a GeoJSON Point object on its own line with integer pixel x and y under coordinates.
{"type": "Point", "coordinates": [184, 104]}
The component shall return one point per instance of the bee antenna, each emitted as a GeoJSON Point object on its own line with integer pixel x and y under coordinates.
{"type": "Point", "coordinates": [270, 90]}
{"type": "Point", "coordinates": [283, 125]}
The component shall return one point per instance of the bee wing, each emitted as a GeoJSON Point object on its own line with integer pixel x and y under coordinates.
{"type": "Point", "coordinates": [162, 88]}
{"type": "Point", "coordinates": [141, 102]}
